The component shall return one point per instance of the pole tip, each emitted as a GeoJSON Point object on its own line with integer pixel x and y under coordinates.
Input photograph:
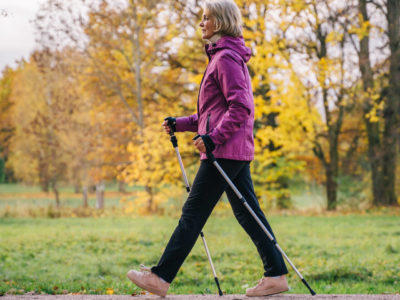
{"type": "Point", "coordinates": [218, 286]}
{"type": "Point", "coordinates": [308, 286]}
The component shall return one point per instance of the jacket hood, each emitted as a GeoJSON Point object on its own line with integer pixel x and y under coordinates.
{"type": "Point", "coordinates": [228, 42]}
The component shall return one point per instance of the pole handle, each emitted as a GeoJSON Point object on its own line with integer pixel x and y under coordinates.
{"type": "Point", "coordinates": [171, 124]}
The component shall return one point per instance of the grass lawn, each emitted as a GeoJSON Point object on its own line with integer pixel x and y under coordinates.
{"type": "Point", "coordinates": [336, 254]}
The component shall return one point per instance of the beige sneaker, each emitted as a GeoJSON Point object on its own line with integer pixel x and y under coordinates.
{"type": "Point", "coordinates": [268, 286]}
{"type": "Point", "coordinates": [148, 281]}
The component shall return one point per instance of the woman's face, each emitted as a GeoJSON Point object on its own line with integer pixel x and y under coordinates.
{"type": "Point", "coordinates": [207, 25]}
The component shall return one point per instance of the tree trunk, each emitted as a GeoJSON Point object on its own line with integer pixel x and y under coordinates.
{"type": "Point", "coordinates": [44, 185]}
{"type": "Point", "coordinates": [375, 159]}
{"type": "Point", "coordinates": [43, 176]}
{"type": "Point", "coordinates": [331, 188]}
{"type": "Point", "coordinates": [85, 192]}
{"type": "Point", "coordinates": [284, 201]}
{"type": "Point", "coordinates": [348, 167]}
{"type": "Point", "coordinates": [100, 195]}
{"type": "Point", "coordinates": [374, 143]}
{"type": "Point", "coordinates": [77, 188]}
{"type": "Point", "coordinates": [137, 56]}
{"type": "Point", "coordinates": [56, 193]}
{"type": "Point", "coordinates": [150, 205]}
{"type": "Point", "coordinates": [332, 164]}
{"type": "Point", "coordinates": [121, 187]}
{"type": "Point", "coordinates": [389, 164]}
{"type": "Point", "coordinates": [332, 171]}
{"type": "Point", "coordinates": [389, 141]}
{"type": "Point", "coordinates": [2, 168]}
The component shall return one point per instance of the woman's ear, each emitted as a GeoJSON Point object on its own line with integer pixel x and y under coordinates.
{"type": "Point", "coordinates": [216, 27]}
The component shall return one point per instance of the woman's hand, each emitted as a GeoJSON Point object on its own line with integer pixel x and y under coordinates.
{"type": "Point", "coordinates": [167, 129]}
{"type": "Point", "coordinates": [199, 144]}
{"type": "Point", "coordinates": [169, 124]}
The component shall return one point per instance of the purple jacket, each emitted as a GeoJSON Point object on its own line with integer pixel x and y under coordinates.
{"type": "Point", "coordinates": [225, 106]}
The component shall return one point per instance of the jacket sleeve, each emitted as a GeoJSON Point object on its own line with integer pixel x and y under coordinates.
{"type": "Point", "coordinates": [232, 82]}
{"type": "Point", "coordinates": [187, 123]}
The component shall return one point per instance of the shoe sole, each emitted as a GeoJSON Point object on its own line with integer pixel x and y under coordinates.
{"type": "Point", "coordinates": [151, 290]}
{"type": "Point", "coordinates": [269, 292]}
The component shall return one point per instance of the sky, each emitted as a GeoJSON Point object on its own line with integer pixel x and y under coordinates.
{"type": "Point", "coordinates": [17, 38]}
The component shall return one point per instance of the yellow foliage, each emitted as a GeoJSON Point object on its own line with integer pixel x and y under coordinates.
{"type": "Point", "coordinates": [362, 29]}
{"type": "Point", "coordinates": [129, 83]}
{"type": "Point", "coordinates": [109, 291]}
{"type": "Point", "coordinates": [334, 37]}
{"type": "Point", "coordinates": [278, 95]}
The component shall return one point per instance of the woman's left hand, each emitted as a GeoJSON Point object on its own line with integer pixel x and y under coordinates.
{"type": "Point", "coordinates": [199, 144]}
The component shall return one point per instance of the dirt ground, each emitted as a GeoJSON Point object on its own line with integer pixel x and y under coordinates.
{"type": "Point", "coordinates": [199, 297]}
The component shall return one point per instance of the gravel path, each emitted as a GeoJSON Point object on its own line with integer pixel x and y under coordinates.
{"type": "Point", "coordinates": [199, 297]}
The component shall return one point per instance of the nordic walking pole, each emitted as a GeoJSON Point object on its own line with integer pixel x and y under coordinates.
{"type": "Point", "coordinates": [212, 159]}
{"type": "Point", "coordinates": [174, 142]}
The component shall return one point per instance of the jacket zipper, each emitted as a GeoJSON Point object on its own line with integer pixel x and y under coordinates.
{"type": "Point", "coordinates": [198, 96]}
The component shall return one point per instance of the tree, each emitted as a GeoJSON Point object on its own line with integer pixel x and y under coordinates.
{"type": "Point", "coordinates": [380, 102]}
{"type": "Point", "coordinates": [38, 116]}
{"type": "Point", "coordinates": [6, 125]}
{"type": "Point", "coordinates": [279, 132]}
{"type": "Point", "coordinates": [392, 105]}
{"type": "Point", "coordinates": [312, 33]}
{"type": "Point", "coordinates": [130, 55]}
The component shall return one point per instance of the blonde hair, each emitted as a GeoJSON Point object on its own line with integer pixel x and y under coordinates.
{"type": "Point", "coordinates": [228, 19]}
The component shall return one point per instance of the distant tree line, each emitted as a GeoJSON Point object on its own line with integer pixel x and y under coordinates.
{"type": "Point", "coordinates": [86, 107]}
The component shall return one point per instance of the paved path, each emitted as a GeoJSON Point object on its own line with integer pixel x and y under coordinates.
{"type": "Point", "coordinates": [200, 297]}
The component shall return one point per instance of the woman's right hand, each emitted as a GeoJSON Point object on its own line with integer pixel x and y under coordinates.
{"type": "Point", "coordinates": [169, 124]}
{"type": "Point", "coordinates": [167, 129]}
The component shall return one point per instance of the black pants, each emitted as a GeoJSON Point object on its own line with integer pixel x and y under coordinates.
{"type": "Point", "coordinates": [208, 187]}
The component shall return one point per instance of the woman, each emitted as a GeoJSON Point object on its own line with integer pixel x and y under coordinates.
{"type": "Point", "coordinates": [224, 119]}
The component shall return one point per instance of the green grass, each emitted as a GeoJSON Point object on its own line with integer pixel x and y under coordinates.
{"type": "Point", "coordinates": [338, 254]}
